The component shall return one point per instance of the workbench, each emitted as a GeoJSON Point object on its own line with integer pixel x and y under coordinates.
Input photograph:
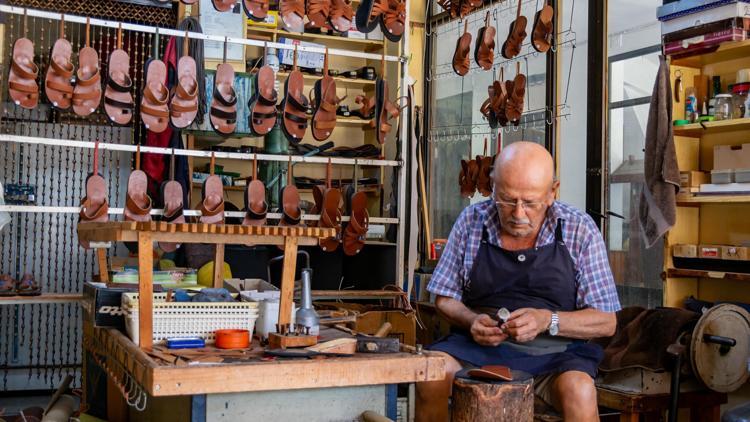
{"type": "Point", "coordinates": [283, 389]}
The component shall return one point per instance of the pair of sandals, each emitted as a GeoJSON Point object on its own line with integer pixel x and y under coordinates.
{"type": "Point", "coordinates": [484, 50]}
{"type": "Point", "coordinates": [327, 200]}
{"type": "Point", "coordinates": [506, 101]}
{"type": "Point", "coordinates": [26, 286]}
{"type": "Point", "coordinates": [541, 33]}
{"type": "Point", "coordinates": [256, 10]}
{"type": "Point", "coordinates": [460, 8]}
{"type": "Point", "coordinates": [475, 175]}
{"type": "Point", "coordinates": [330, 14]}
{"type": "Point", "coordinates": [389, 14]}
{"type": "Point", "coordinates": [159, 106]}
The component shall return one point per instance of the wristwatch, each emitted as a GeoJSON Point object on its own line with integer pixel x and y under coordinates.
{"type": "Point", "coordinates": [554, 324]}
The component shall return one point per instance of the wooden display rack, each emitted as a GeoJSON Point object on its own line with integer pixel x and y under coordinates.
{"type": "Point", "coordinates": [290, 237]}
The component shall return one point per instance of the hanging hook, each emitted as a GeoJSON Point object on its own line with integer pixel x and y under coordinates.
{"type": "Point", "coordinates": [224, 57]}
{"type": "Point", "coordinates": [145, 400]}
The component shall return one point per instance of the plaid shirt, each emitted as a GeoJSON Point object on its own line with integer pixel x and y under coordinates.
{"type": "Point", "coordinates": [595, 285]}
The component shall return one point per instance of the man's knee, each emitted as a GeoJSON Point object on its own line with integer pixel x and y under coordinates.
{"type": "Point", "coordinates": [575, 387]}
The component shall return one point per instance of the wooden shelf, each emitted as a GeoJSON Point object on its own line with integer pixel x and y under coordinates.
{"type": "Point", "coordinates": [696, 130]}
{"type": "Point", "coordinates": [43, 298]}
{"type": "Point", "coordinates": [229, 188]}
{"type": "Point", "coordinates": [338, 79]}
{"type": "Point", "coordinates": [308, 36]}
{"type": "Point", "coordinates": [680, 272]}
{"type": "Point", "coordinates": [712, 199]}
{"type": "Point", "coordinates": [726, 51]}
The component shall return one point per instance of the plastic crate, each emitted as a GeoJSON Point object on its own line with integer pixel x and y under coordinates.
{"type": "Point", "coordinates": [189, 319]}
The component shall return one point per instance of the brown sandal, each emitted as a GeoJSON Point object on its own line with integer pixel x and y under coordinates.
{"type": "Point", "coordinates": [325, 104]}
{"type": "Point", "coordinates": [367, 109]}
{"type": "Point", "coordinates": [137, 201]}
{"type": "Point", "coordinates": [212, 197]}
{"type": "Point", "coordinates": [22, 86]}
{"type": "Point", "coordinates": [87, 93]}
{"type": "Point", "coordinates": [223, 5]}
{"type": "Point", "coordinates": [484, 52]}
{"type": "Point", "coordinates": [516, 93]}
{"type": "Point", "coordinates": [516, 35]}
{"type": "Point", "coordinates": [27, 286]}
{"type": "Point", "coordinates": [484, 168]}
{"type": "Point", "coordinates": [467, 179]}
{"type": "Point", "coordinates": [262, 105]}
{"type": "Point", "coordinates": [256, 206]}
{"type": "Point", "coordinates": [330, 215]}
{"type": "Point", "coordinates": [183, 106]}
{"type": "Point", "coordinates": [294, 105]}
{"type": "Point", "coordinates": [57, 85]}
{"type": "Point", "coordinates": [292, 15]}
{"type": "Point", "coordinates": [118, 99]}
{"type": "Point", "coordinates": [7, 285]}
{"type": "Point", "coordinates": [384, 111]}
{"type": "Point", "coordinates": [154, 108]}
{"type": "Point", "coordinates": [172, 198]}
{"type": "Point", "coordinates": [355, 233]}
{"type": "Point", "coordinates": [223, 113]}
{"type": "Point", "coordinates": [461, 62]}
{"type": "Point", "coordinates": [341, 15]}
{"type": "Point", "coordinates": [256, 10]}
{"type": "Point", "coordinates": [291, 213]}
{"type": "Point", "coordinates": [94, 206]}
{"type": "Point", "coordinates": [541, 35]}
{"type": "Point", "coordinates": [317, 13]}
{"type": "Point", "coordinates": [393, 19]}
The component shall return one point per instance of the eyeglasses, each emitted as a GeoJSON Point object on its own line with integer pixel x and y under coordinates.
{"type": "Point", "coordinates": [526, 205]}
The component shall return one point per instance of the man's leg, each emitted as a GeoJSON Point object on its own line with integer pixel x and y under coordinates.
{"type": "Point", "coordinates": [574, 394]}
{"type": "Point", "coordinates": [432, 397]}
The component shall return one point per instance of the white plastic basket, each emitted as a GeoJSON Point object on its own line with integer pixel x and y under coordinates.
{"type": "Point", "coordinates": [189, 319]}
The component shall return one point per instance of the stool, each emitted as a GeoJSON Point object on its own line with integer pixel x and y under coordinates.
{"type": "Point", "coordinates": [703, 405]}
{"type": "Point", "coordinates": [497, 401]}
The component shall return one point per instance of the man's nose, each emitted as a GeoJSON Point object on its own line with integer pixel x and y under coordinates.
{"type": "Point", "coordinates": [519, 211]}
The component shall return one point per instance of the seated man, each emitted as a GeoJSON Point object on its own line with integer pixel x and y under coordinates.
{"type": "Point", "coordinates": [546, 263]}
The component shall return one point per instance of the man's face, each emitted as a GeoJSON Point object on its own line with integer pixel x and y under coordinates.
{"type": "Point", "coordinates": [522, 206]}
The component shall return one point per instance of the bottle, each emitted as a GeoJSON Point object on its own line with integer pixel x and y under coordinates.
{"type": "Point", "coordinates": [691, 106]}
{"type": "Point", "coordinates": [272, 59]}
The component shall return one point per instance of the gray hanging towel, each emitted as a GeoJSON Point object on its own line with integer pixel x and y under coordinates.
{"type": "Point", "coordinates": [658, 208]}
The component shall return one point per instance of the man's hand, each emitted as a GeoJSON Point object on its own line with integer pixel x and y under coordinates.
{"type": "Point", "coordinates": [485, 331]}
{"type": "Point", "coordinates": [526, 323]}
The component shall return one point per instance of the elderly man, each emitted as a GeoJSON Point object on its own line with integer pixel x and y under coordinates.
{"type": "Point", "coordinates": [543, 261]}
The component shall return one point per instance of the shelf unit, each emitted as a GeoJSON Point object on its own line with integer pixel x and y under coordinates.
{"type": "Point", "coordinates": [707, 219]}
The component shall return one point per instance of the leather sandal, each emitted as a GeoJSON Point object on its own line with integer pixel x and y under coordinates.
{"type": "Point", "coordinates": [461, 55]}
{"type": "Point", "coordinates": [484, 166]}
{"type": "Point", "coordinates": [94, 205]}
{"type": "Point", "coordinates": [355, 233]}
{"type": "Point", "coordinates": [341, 15]}
{"type": "Point", "coordinates": [367, 16]}
{"type": "Point", "coordinates": [516, 35]}
{"type": "Point", "coordinates": [515, 103]}
{"type": "Point", "coordinates": [292, 15]}
{"type": "Point", "coordinates": [486, 108]}
{"type": "Point", "coordinates": [325, 104]}
{"type": "Point", "coordinates": [327, 202]}
{"type": "Point", "coordinates": [223, 113]}
{"type": "Point", "coordinates": [392, 19]}
{"type": "Point", "coordinates": [467, 179]}
{"type": "Point", "coordinates": [87, 93]}
{"type": "Point", "coordinates": [262, 105]}
{"type": "Point", "coordinates": [317, 13]}
{"type": "Point", "coordinates": [7, 285]}
{"type": "Point", "coordinates": [22, 86]}
{"type": "Point", "coordinates": [256, 10]}
{"type": "Point", "coordinates": [118, 99]}
{"type": "Point", "coordinates": [154, 108]}
{"type": "Point", "coordinates": [27, 286]}
{"type": "Point", "coordinates": [223, 5]}
{"type": "Point", "coordinates": [294, 106]}
{"type": "Point", "coordinates": [541, 34]}
{"type": "Point", "coordinates": [57, 85]}
{"type": "Point", "coordinates": [183, 106]}
{"type": "Point", "coordinates": [484, 52]}
{"type": "Point", "coordinates": [137, 201]}
{"type": "Point", "coordinates": [367, 109]}
{"type": "Point", "coordinates": [172, 198]}
{"type": "Point", "coordinates": [384, 111]}
{"type": "Point", "coordinates": [256, 206]}
{"type": "Point", "coordinates": [212, 199]}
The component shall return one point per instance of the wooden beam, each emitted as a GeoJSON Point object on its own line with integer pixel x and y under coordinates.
{"type": "Point", "coordinates": [219, 266]}
{"type": "Point", "coordinates": [145, 289]}
{"type": "Point", "coordinates": [101, 256]}
{"type": "Point", "coordinates": [287, 280]}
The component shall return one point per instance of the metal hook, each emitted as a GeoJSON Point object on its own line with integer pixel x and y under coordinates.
{"type": "Point", "coordinates": [549, 120]}
{"type": "Point", "coordinates": [137, 391]}
{"type": "Point", "coordinates": [145, 400]}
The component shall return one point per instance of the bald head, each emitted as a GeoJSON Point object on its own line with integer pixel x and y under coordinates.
{"type": "Point", "coordinates": [524, 164]}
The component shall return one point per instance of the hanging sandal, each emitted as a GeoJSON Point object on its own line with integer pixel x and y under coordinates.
{"type": "Point", "coordinates": [484, 52]}
{"type": "Point", "coordinates": [392, 19]}
{"type": "Point", "coordinates": [118, 99]}
{"type": "Point", "coordinates": [460, 61]}
{"type": "Point", "coordinates": [294, 105]}
{"type": "Point", "coordinates": [341, 15]}
{"type": "Point", "coordinates": [325, 104]}
{"type": "Point", "coordinates": [172, 198]}
{"type": "Point", "coordinates": [212, 197]}
{"type": "Point", "coordinates": [467, 179]}
{"type": "Point", "coordinates": [359, 221]}
{"type": "Point", "coordinates": [88, 90]}
{"type": "Point", "coordinates": [94, 205]}
{"type": "Point", "coordinates": [292, 15]}
{"type": "Point", "coordinates": [137, 201]}
{"type": "Point", "coordinates": [317, 13]}
{"type": "Point", "coordinates": [223, 5]}
{"type": "Point", "coordinates": [256, 10]}
{"type": "Point", "coordinates": [367, 109]}
{"type": "Point", "coordinates": [7, 285]}
{"type": "Point", "coordinates": [516, 35]}
{"type": "Point", "coordinates": [223, 114]}
{"type": "Point", "coordinates": [22, 86]}
{"type": "Point", "coordinates": [484, 168]}
{"type": "Point", "coordinates": [183, 106]}
{"type": "Point", "coordinates": [516, 93]}
{"type": "Point", "coordinates": [57, 83]}
{"type": "Point", "coordinates": [368, 15]}
{"type": "Point", "coordinates": [27, 286]}
{"type": "Point", "coordinates": [262, 105]}
{"type": "Point", "coordinates": [256, 206]}
{"type": "Point", "coordinates": [330, 215]}
{"type": "Point", "coordinates": [291, 213]}
{"type": "Point", "coordinates": [541, 34]}
{"type": "Point", "coordinates": [384, 111]}
{"type": "Point", "coordinates": [154, 108]}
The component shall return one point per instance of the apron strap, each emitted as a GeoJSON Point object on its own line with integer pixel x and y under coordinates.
{"type": "Point", "coordinates": [485, 236]}
{"type": "Point", "coordinates": [558, 231]}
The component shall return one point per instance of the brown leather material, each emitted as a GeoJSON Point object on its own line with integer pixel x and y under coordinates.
{"type": "Point", "coordinates": [183, 105]}
{"type": "Point", "coordinates": [212, 201]}
{"type": "Point", "coordinates": [516, 35]}
{"type": "Point", "coordinates": [7, 285]}
{"type": "Point", "coordinates": [255, 204]}
{"type": "Point", "coordinates": [515, 103]}
{"type": "Point", "coordinates": [484, 181]}
{"type": "Point", "coordinates": [57, 84]}
{"type": "Point", "coordinates": [326, 103]}
{"type": "Point", "coordinates": [88, 90]}
{"type": "Point", "coordinates": [461, 62]}
{"type": "Point", "coordinates": [223, 112]}
{"type": "Point", "coordinates": [393, 19]}
{"type": "Point", "coordinates": [385, 110]}
{"type": "Point", "coordinates": [367, 109]}
{"type": "Point", "coordinates": [292, 15]}
{"type": "Point", "coordinates": [171, 193]}
{"type": "Point", "coordinates": [263, 104]}
{"type": "Point", "coordinates": [356, 231]}
{"type": "Point", "coordinates": [118, 99]}
{"type": "Point", "coordinates": [137, 201]}
{"type": "Point", "coordinates": [484, 51]}
{"type": "Point", "coordinates": [223, 5]}
{"type": "Point", "coordinates": [22, 86]}
{"type": "Point", "coordinates": [541, 34]}
{"type": "Point", "coordinates": [27, 286]}
{"type": "Point", "coordinates": [294, 107]}
{"type": "Point", "coordinates": [154, 108]}
{"type": "Point", "coordinates": [94, 205]}
{"type": "Point", "coordinates": [291, 213]}
{"type": "Point", "coordinates": [317, 13]}
{"type": "Point", "coordinates": [256, 10]}
{"type": "Point", "coordinates": [491, 372]}
{"type": "Point", "coordinates": [467, 179]}
{"type": "Point", "coordinates": [341, 15]}
{"type": "Point", "coordinates": [330, 216]}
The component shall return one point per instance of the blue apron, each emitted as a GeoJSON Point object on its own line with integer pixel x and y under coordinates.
{"type": "Point", "coordinates": [541, 277]}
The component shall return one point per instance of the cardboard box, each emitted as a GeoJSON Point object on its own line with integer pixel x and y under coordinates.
{"type": "Point", "coordinates": [271, 21]}
{"type": "Point", "coordinates": [685, 251]}
{"type": "Point", "coordinates": [709, 251]}
{"type": "Point", "coordinates": [693, 179]}
{"type": "Point", "coordinates": [102, 305]}
{"type": "Point", "coordinates": [734, 253]}
{"type": "Point", "coordinates": [727, 157]}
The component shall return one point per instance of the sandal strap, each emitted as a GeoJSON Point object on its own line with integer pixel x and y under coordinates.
{"type": "Point", "coordinates": [65, 70]}
{"type": "Point", "coordinates": [181, 92]}
{"type": "Point", "coordinates": [27, 88]}
{"type": "Point", "coordinates": [118, 104]}
{"type": "Point", "coordinates": [296, 119]}
{"type": "Point", "coordinates": [173, 215]}
{"type": "Point", "coordinates": [86, 205]}
{"type": "Point", "coordinates": [324, 124]}
{"type": "Point", "coordinates": [212, 211]}
{"type": "Point", "coordinates": [22, 72]}
{"type": "Point", "coordinates": [120, 88]}
{"type": "Point", "coordinates": [296, 104]}
{"type": "Point", "coordinates": [218, 96]}
{"type": "Point", "coordinates": [95, 78]}
{"type": "Point", "coordinates": [263, 100]}
{"type": "Point", "coordinates": [157, 112]}
{"type": "Point", "coordinates": [177, 108]}
{"type": "Point", "coordinates": [252, 215]}
{"type": "Point", "coordinates": [230, 116]}
{"type": "Point", "coordinates": [163, 94]}
{"type": "Point", "coordinates": [66, 89]}
{"type": "Point", "coordinates": [135, 208]}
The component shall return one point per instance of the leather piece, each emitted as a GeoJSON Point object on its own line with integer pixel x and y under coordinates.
{"type": "Point", "coordinates": [467, 178]}
{"type": "Point", "coordinates": [57, 85]}
{"type": "Point", "coordinates": [212, 201]}
{"type": "Point", "coordinates": [171, 194]}
{"type": "Point", "coordinates": [491, 372]}
{"type": "Point", "coordinates": [87, 93]}
{"type": "Point", "coordinates": [541, 34]}
{"type": "Point", "coordinates": [291, 213]}
{"type": "Point", "coordinates": [461, 55]}
{"type": "Point", "coordinates": [183, 106]}
{"type": "Point", "coordinates": [484, 51]}
{"type": "Point", "coordinates": [356, 231]}
{"type": "Point", "coordinates": [255, 204]}
{"type": "Point", "coordinates": [263, 104]}
{"type": "Point", "coordinates": [154, 108]}
{"type": "Point", "coordinates": [137, 201]}
{"type": "Point", "coordinates": [292, 15]}
{"type": "Point", "coordinates": [118, 100]}
{"type": "Point", "coordinates": [94, 205]}
{"type": "Point", "coordinates": [294, 108]}
{"type": "Point", "coordinates": [22, 86]}
{"type": "Point", "coordinates": [223, 112]}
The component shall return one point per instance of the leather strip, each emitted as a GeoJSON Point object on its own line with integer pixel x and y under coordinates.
{"type": "Point", "coordinates": [146, 109]}
{"type": "Point", "coordinates": [229, 116]}
{"type": "Point", "coordinates": [118, 104]}
{"type": "Point", "coordinates": [135, 208]}
{"type": "Point", "coordinates": [17, 86]}
{"type": "Point", "coordinates": [120, 88]}
{"type": "Point", "coordinates": [220, 98]}
{"type": "Point", "coordinates": [25, 74]}
{"type": "Point", "coordinates": [65, 89]}
{"type": "Point", "coordinates": [66, 72]}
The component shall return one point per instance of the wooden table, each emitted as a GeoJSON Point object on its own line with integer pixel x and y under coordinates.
{"type": "Point", "coordinates": [703, 405]}
{"type": "Point", "coordinates": [237, 384]}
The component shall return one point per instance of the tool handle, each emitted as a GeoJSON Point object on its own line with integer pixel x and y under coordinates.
{"type": "Point", "coordinates": [720, 340]}
{"type": "Point", "coordinates": [383, 330]}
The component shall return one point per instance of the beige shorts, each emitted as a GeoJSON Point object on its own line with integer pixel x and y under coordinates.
{"type": "Point", "coordinates": [543, 388]}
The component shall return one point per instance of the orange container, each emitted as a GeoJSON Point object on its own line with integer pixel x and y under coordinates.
{"type": "Point", "coordinates": [232, 339]}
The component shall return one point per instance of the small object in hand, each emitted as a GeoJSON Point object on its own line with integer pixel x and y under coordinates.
{"type": "Point", "coordinates": [185, 343]}
{"type": "Point", "coordinates": [503, 315]}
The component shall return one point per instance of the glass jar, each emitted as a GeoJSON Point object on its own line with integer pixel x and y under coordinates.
{"type": "Point", "coordinates": [739, 96]}
{"type": "Point", "coordinates": [724, 107]}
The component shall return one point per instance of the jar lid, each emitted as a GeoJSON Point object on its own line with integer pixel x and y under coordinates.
{"type": "Point", "coordinates": [724, 96]}
{"type": "Point", "coordinates": [681, 122]}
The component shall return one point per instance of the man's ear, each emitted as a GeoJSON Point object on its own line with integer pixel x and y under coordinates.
{"type": "Point", "coordinates": [554, 191]}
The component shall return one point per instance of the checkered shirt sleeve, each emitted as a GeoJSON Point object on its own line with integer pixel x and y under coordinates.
{"type": "Point", "coordinates": [596, 285]}
{"type": "Point", "coordinates": [448, 277]}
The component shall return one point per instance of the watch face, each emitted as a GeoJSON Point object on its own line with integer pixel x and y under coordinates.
{"type": "Point", "coordinates": [553, 329]}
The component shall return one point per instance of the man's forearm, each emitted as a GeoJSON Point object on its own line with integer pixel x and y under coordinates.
{"type": "Point", "coordinates": [455, 311]}
{"type": "Point", "coordinates": [587, 324]}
